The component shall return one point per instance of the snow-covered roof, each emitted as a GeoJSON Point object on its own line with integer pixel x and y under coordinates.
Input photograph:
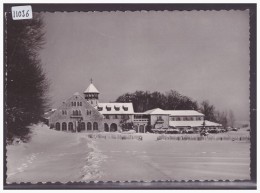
{"type": "Point", "coordinates": [49, 113]}
{"type": "Point", "coordinates": [184, 113]}
{"type": "Point", "coordinates": [193, 124]}
{"type": "Point", "coordinates": [156, 111]}
{"type": "Point", "coordinates": [115, 108]}
{"type": "Point", "coordinates": [91, 89]}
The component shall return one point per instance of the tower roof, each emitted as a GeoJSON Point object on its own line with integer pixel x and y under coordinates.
{"type": "Point", "coordinates": [91, 89]}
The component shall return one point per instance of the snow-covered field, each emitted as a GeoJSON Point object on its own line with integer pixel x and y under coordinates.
{"type": "Point", "coordinates": [58, 156]}
{"type": "Point", "coordinates": [53, 156]}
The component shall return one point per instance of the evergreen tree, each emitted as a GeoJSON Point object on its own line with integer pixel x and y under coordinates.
{"type": "Point", "coordinates": [25, 81]}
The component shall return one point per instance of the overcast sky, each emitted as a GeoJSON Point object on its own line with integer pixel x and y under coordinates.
{"type": "Point", "coordinates": [201, 54]}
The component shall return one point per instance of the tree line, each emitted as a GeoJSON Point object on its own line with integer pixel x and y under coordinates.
{"type": "Point", "coordinates": [25, 81]}
{"type": "Point", "coordinates": [173, 100]}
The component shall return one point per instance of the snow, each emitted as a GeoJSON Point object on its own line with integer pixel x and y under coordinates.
{"type": "Point", "coordinates": [149, 160]}
{"type": "Point", "coordinates": [123, 108]}
{"type": "Point", "coordinates": [184, 113]}
{"type": "Point", "coordinates": [55, 156]}
{"type": "Point", "coordinates": [91, 89]}
{"type": "Point", "coordinates": [156, 111]}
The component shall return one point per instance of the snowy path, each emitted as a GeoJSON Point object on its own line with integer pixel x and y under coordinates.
{"type": "Point", "coordinates": [53, 156]}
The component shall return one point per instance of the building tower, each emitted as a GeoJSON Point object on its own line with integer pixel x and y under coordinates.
{"type": "Point", "coordinates": [91, 94]}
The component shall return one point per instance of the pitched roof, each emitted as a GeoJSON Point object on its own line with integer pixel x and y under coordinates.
{"type": "Point", "coordinates": [91, 89]}
{"type": "Point", "coordinates": [115, 108]}
{"type": "Point", "coordinates": [156, 111]}
{"type": "Point", "coordinates": [192, 124]}
{"type": "Point", "coordinates": [184, 113]}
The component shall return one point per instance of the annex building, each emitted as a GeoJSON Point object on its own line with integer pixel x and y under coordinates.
{"type": "Point", "coordinates": [86, 114]}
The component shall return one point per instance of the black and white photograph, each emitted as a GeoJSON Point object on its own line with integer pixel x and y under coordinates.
{"type": "Point", "coordinates": [117, 96]}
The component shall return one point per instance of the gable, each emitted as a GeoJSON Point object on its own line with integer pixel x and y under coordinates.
{"type": "Point", "coordinates": [76, 102]}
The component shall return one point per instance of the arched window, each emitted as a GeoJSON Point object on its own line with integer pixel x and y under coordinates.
{"type": "Point", "coordinates": [64, 126]}
{"type": "Point", "coordinates": [57, 126]}
{"type": "Point", "coordinates": [95, 126]}
{"type": "Point", "coordinates": [74, 103]}
{"type": "Point", "coordinates": [106, 127]}
{"type": "Point", "coordinates": [82, 126]}
{"type": "Point", "coordinates": [89, 126]}
{"type": "Point", "coordinates": [79, 112]}
{"type": "Point", "coordinates": [113, 127]}
{"type": "Point", "coordinates": [76, 112]}
{"type": "Point", "coordinates": [70, 126]}
{"type": "Point", "coordinates": [80, 103]}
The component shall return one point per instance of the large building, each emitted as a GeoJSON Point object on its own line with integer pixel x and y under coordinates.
{"type": "Point", "coordinates": [87, 114]}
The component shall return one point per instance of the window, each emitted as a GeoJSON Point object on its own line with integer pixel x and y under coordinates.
{"type": "Point", "coordinates": [115, 116]}
{"type": "Point", "coordinates": [172, 118]}
{"type": "Point", "coordinates": [82, 126]}
{"type": "Point", "coordinates": [70, 126]}
{"type": "Point", "coordinates": [57, 126]}
{"type": "Point", "coordinates": [178, 119]}
{"type": "Point", "coordinates": [117, 108]}
{"type": "Point", "coordinates": [78, 103]}
{"type": "Point", "coordinates": [107, 116]}
{"type": "Point", "coordinates": [79, 112]}
{"type": "Point", "coordinates": [159, 118]}
{"type": "Point", "coordinates": [106, 127]}
{"type": "Point", "coordinates": [89, 126]}
{"type": "Point", "coordinates": [88, 112]}
{"type": "Point", "coordinates": [74, 103]}
{"type": "Point", "coordinates": [125, 108]}
{"type": "Point", "coordinates": [95, 126]}
{"type": "Point", "coordinates": [64, 126]}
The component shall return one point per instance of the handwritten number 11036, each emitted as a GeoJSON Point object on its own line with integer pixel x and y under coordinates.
{"type": "Point", "coordinates": [22, 13]}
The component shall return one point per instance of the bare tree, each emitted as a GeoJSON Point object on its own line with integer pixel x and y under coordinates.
{"type": "Point", "coordinates": [222, 118]}
{"type": "Point", "coordinates": [208, 110]}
